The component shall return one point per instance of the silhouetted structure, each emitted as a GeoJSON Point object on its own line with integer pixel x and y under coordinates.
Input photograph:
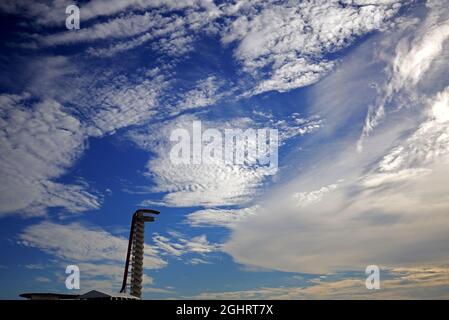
{"type": "Point", "coordinates": [134, 256]}
{"type": "Point", "coordinates": [136, 251]}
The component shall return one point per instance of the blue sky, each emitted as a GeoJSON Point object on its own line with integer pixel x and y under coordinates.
{"type": "Point", "coordinates": [358, 91]}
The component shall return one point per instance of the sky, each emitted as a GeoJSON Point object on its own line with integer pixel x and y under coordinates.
{"type": "Point", "coordinates": [357, 90]}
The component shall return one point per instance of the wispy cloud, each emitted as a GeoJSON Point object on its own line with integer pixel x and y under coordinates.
{"type": "Point", "coordinates": [282, 45]}
{"type": "Point", "coordinates": [390, 198]}
{"type": "Point", "coordinates": [219, 217]}
{"type": "Point", "coordinates": [51, 13]}
{"type": "Point", "coordinates": [212, 184]}
{"type": "Point", "coordinates": [39, 141]}
{"type": "Point", "coordinates": [177, 245]}
{"type": "Point", "coordinates": [395, 216]}
{"type": "Point", "coordinates": [75, 243]}
{"type": "Point", "coordinates": [161, 22]}
{"type": "Point", "coordinates": [205, 93]}
{"type": "Point", "coordinates": [292, 39]}
{"type": "Point", "coordinates": [406, 283]}
{"type": "Point", "coordinates": [414, 55]}
{"type": "Point", "coordinates": [99, 255]}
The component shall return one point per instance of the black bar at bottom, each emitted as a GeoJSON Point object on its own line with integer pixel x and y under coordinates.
{"type": "Point", "coordinates": [223, 309]}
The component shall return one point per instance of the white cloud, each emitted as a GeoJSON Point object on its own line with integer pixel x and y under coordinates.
{"type": "Point", "coordinates": [169, 31]}
{"type": "Point", "coordinates": [294, 74]}
{"type": "Point", "coordinates": [289, 126]}
{"type": "Point", "coordinates": [120, 27]}
{"type": "Point", "coordinates": [125, 105]}
{"type": "Point", "coordinates": [219, 217]}
{"type": "Point", "coordinates": [44, 12]}
{"type": "Point", "coordinates": [440, 108]}
{"type": "Point", "coordinates": [39, 141]}
{"type": "Point", "coordinates": [106, 7]}
{"type": "Point", "coordinates": [282, 44]}
{"type": "Point", "coordinates": [368, 219]}
{"type": "Point", "coordinates": [198, 244]}
{"type": "Point", "coordinates": [292, 39]}
{"type": "Point", "coordinates": [108, 100]}
{"type": "Point", "coordinates": [172, 34]}
{"type": "Point", "coordinates": [307, 198]}
{"type": "Point", "coordinates": [213, 184]}
{"type": "Point", "coordinates": [43, 279]}
{"type": "Point", "coordinates": [407, 283]}
{"type": "Point", "coordinates": [391, 202]}
{"type": "Point", "coordinates": [197, 261]}
{"type": "Point", "coordinates": [101, 255]}
{"type": "Point", "coordinates": [205, 93]}
{"type": "Point", "coordinates": [49, 76]}
{"type": "Point", "coordinates": [35, 266]}
{"type": "Point", "coordinates": [106, 276]}
{"type": "Point", "coordinates": [52, 12]}
{"type": "Point", "coordinates": [177, 245]}
{"type": "Point", "coordinates": [76, 243]}
{"type": "Point", "coordinates": [414, 56]}
{"type": "Point", "coordinates": [427, 144]}
{"type": "Point", "coordinates": [288, 38]}
{"type": "Point", "coordinates": [218, 183]}
{"type": "Point", "coordinates": [44, 132]}
{"type": "Point", "coordinates": [207, 185]}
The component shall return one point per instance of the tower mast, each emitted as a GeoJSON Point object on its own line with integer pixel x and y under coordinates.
{"type": "Point", "coordinates": [135, 252]}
